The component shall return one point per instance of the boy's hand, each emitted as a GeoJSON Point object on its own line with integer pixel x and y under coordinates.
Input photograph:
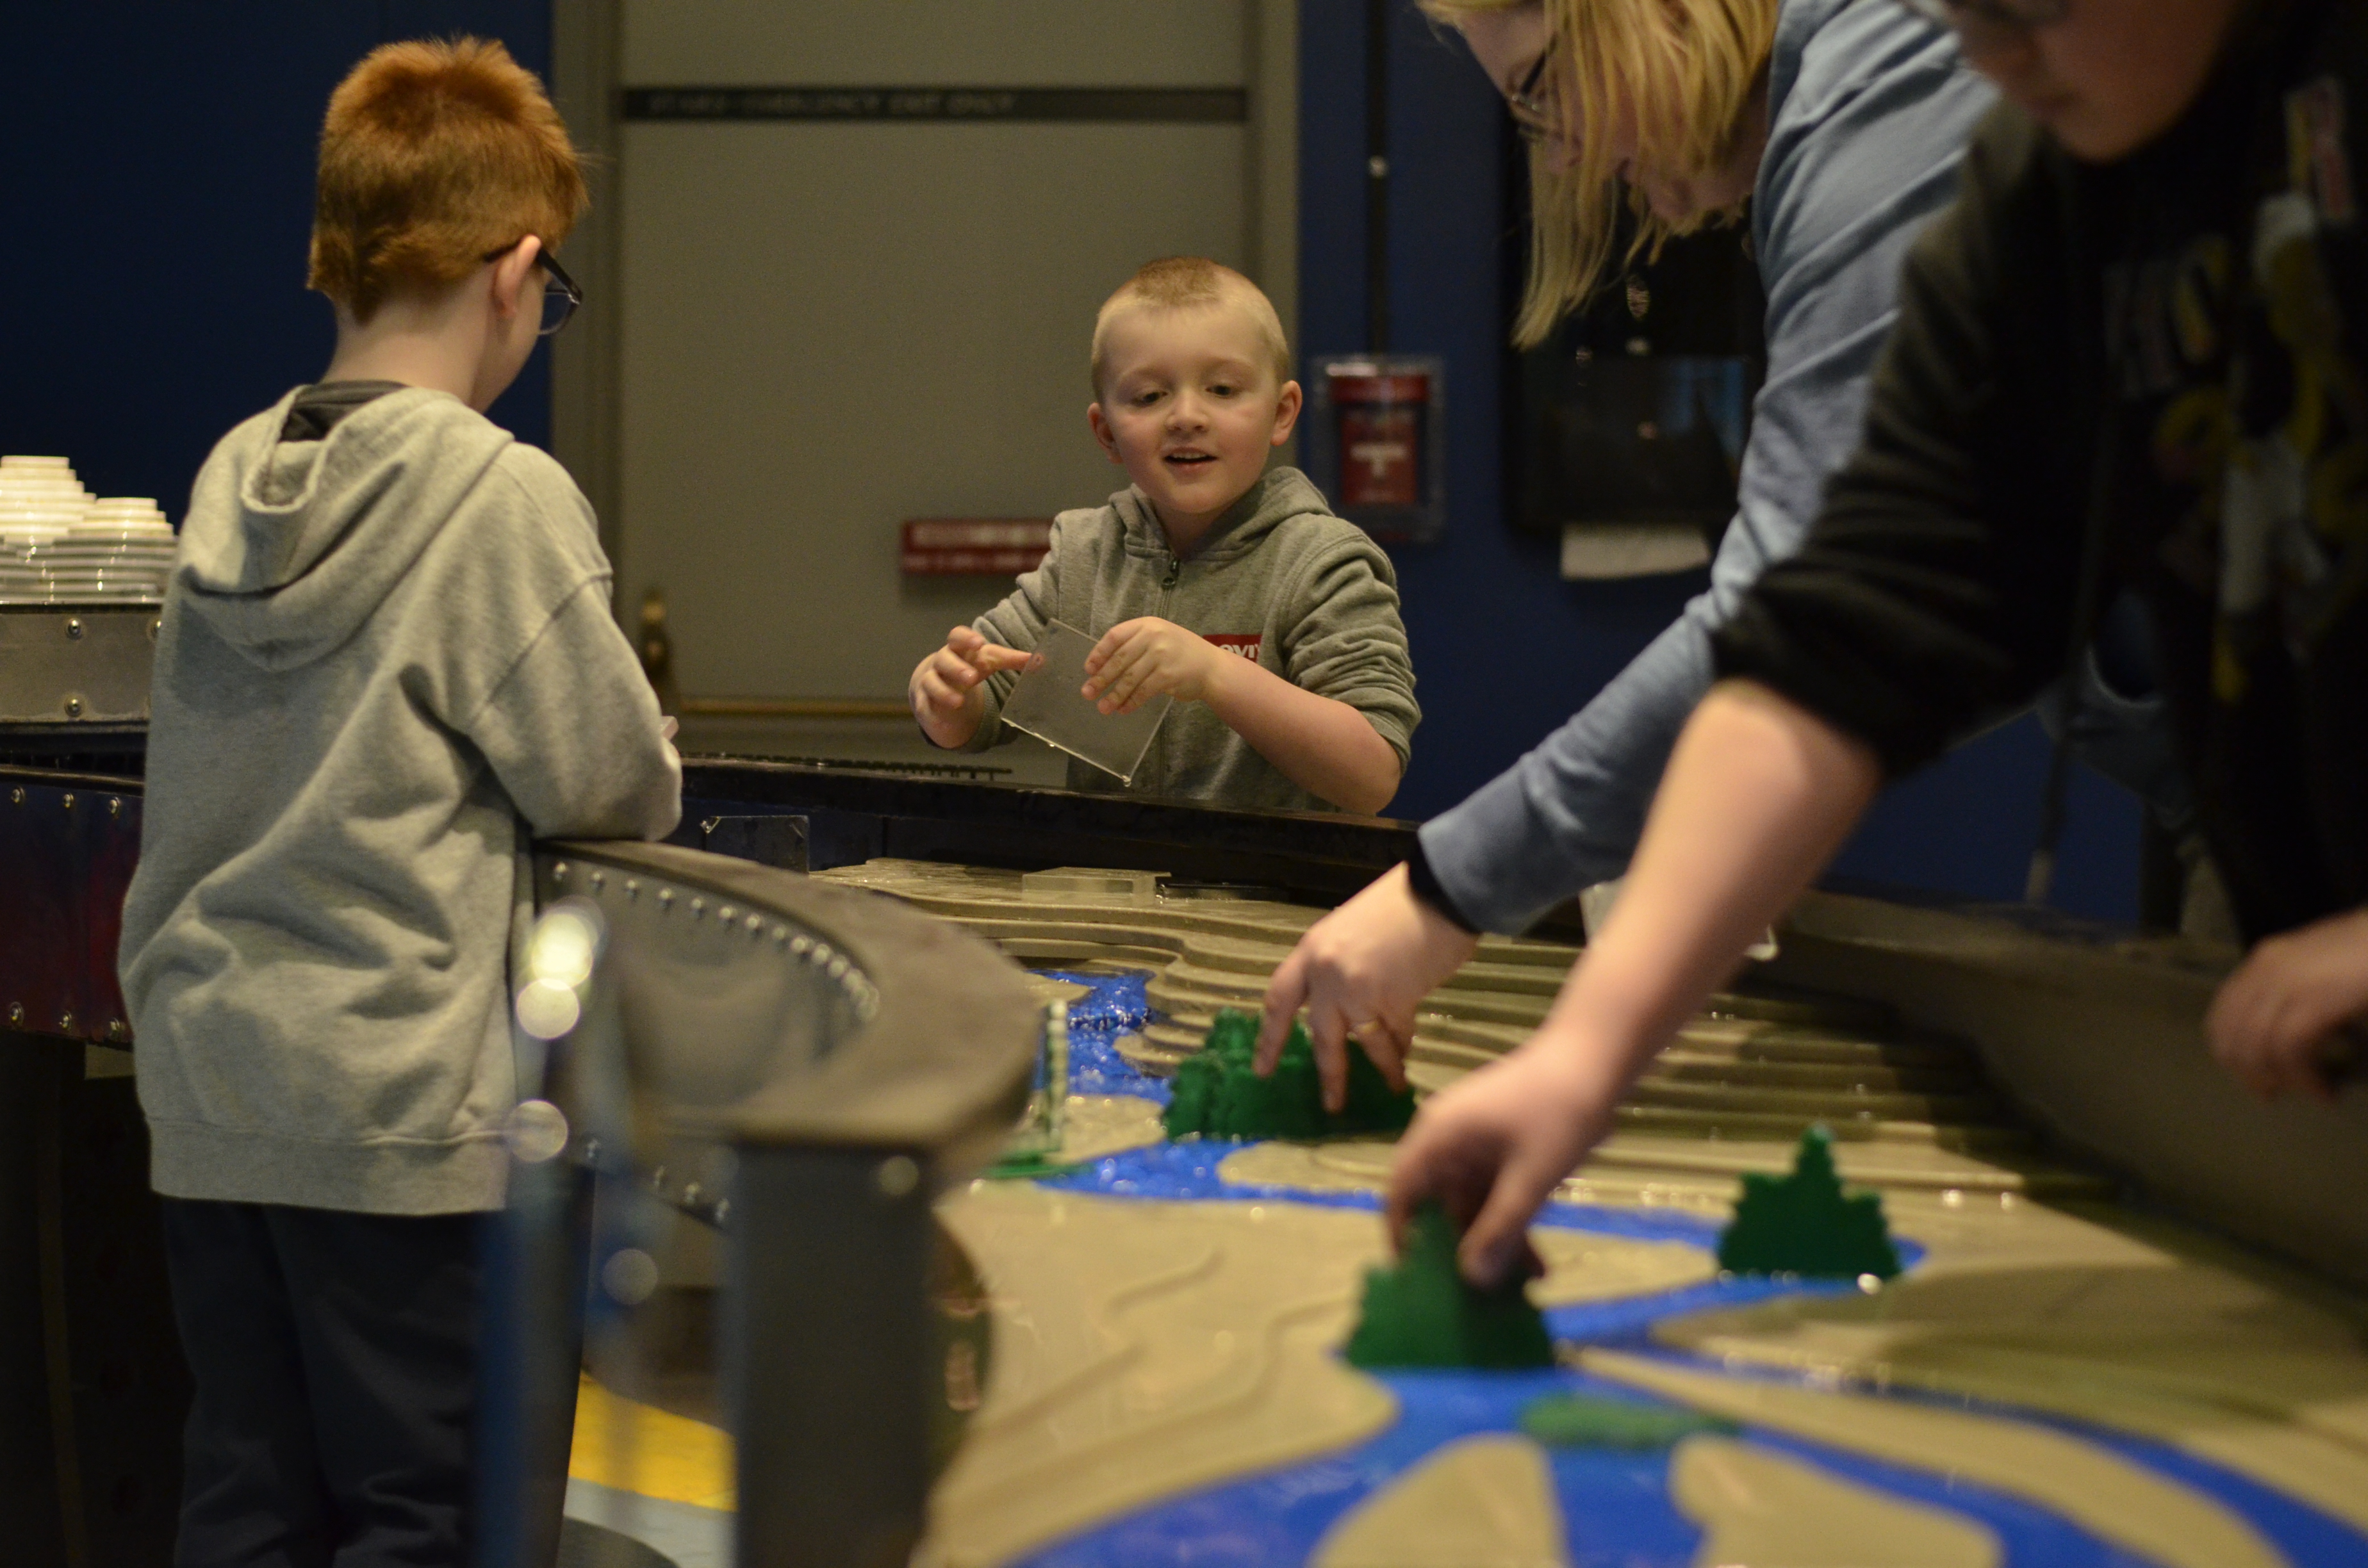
{"type": "Point", "coordinates": [945, 685]}
{"type": "Point", "coordinates": [1360, 971]}
{"type": "Point", "coordinates": [2289, 1019]}
{"type": "Point", "coordinates": [1137, 659]}
{"type": "Point", "coordinates": [1492, 1147]}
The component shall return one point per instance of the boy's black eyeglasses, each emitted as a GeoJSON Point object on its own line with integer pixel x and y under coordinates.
{"type": "Point", "coordinates": [561, 293]}
{"type": "Point", "coordinates": [1991, 16]}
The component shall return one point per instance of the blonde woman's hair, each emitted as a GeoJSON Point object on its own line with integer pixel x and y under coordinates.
{"type": "Point", "coordinates": [1690, 67]}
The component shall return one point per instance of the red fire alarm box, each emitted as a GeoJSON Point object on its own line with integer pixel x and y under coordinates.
{"type": "Point", "coordinates": [1375, 443]}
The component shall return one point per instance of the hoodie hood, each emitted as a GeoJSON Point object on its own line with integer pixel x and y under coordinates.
{"type": "Point", "coordinates": [1280, 494]}
{"type": "Point", "coordinates": [271, 559]}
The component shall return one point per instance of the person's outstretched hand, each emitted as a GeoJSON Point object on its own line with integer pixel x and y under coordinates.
{"type": "Point", "coordinates": [945, 688]}
{"type": "Point", "coordinates": [1140, 659]}
{"type": "Point", "coordinates": [2288, 1020]}
{"type": "Point", "coordinates": [1359, 972]}
{"type": "Point", "coordinates": [1492, 1147]}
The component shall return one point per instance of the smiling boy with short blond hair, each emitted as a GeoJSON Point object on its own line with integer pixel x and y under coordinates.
{"type": "Point", "coordinates": [1211, 579]}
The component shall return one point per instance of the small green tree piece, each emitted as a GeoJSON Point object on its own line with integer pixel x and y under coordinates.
{"type": "Point", "coordinates": [1577, 1420]}
{"type": "Point", "coordinates": [1419, 1313]}
{"type": "Point", "coordinates": [1218, 1095]}
{"type": "Point", "coordinates": [1804, 1224]}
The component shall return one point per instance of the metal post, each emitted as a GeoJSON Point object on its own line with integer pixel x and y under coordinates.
{"type": "Point", "coordinates": [537, 1253]}
{"type": "Point", "coordinates": [831, 1355]}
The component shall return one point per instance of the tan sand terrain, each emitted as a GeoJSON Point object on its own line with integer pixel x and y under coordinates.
{"type": "Point", "coordinates": [1096, 1125]}
{"type": "Point", "coordinates": [1732, 1094]}
{"type": "Point", "coordinates": [1485, 1502]}
{"type": "Point", "coordinates": [2148, 1330]}
{"type": "Point", "coordinates": [2126, 1505]}
{"type": "Point", "coordinates": [1145, 1349]}
{"type": "Point", "coordinates": [1759, 1508]}
{"type": "Point", "coordinates": [2088, 1312]}
{"type": "Point", "coordinates": [1148, 1348]}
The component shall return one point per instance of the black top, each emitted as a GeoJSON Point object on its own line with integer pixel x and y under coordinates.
{"type": "Point", "coordinates": [318, 408]}
{"type": "Point", "coordinates": [2144, 377]}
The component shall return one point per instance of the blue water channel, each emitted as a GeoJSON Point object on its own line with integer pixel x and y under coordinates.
{"type": "Point", "coordinates": [1615, 1503]}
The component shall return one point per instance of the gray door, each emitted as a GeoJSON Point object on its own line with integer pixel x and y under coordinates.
{"type": "Point", "coordinates": [845, 302]}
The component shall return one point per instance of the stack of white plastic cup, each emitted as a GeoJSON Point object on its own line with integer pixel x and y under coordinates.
{"type": "Point", "coordinates": [40, 499]}
{"type": "Point", "coordinates": [57, 543]}
{"type": "Point", "coordinates": [121, 547]}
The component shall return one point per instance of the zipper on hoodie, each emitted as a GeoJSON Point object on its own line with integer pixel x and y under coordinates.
{"type": "Point", "coordinates": [1166, 609]}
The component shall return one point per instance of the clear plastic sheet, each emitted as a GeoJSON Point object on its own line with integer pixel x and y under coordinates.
{"type": "Point", "coordinates": [1048, 704]}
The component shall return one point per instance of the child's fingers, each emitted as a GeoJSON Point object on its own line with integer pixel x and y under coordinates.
{"type": "Point", "coordinates": [1126, 698]}
{"type": "Point", "coordinates": [953, 670]}
{"type": "Point", "coordinates": [1499, 1234]}
{"type": "Point", "coordinates": [1413, 1181]}
{"type": "Point", "coordinates": [1117, 637]}
{"type": "Point", "coordinates": [1327, 1032]}
{"type": "Point", "coordinates": [937, 694]}
{"type": "Point", "coordinates": [2239, 1026]}
{"type": "Point", "coordinates": [993, 657]}
{"type": "Point", "coordinates": [1120, 675]}
{"type": "Point", "coordinates": [1284, 993]}
{"type": "Point", "coordinates": [1132, 688]}
{"type": "Point", "coordinates": [1387, 1045]}
{"type": "Point", "coordinates": [2293, 1049]}
{"type": "Point", "coordinates": [1421, 1173]}
{"type": "Point", "coordinates": [1534, 1266]}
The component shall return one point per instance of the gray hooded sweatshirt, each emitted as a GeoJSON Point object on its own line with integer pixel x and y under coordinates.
{"type": "Point", "coordinates": [387, 657]}
{"type": "Point", "coordinates": [1278, 579]}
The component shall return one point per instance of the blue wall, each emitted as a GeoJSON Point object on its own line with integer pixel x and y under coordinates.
{"type": "Point", "coordinates": [158, 173]}
{"type": "Point", "coordinates": [1505, 650]}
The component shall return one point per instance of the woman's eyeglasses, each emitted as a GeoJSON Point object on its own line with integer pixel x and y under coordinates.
{"type": "Point", "coordinates": [1531, 100]}
{"type": "Point", "coordinates": [561, 294]}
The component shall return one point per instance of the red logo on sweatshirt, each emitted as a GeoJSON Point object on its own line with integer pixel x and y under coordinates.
{"type": "Point", "coordinates": [1247, 647]}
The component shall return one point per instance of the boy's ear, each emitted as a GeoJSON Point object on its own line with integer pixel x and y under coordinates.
{"type": "Point", "coordinates": [1102, 432]}
{"type": "Point", "coordinates": [1286, 404]}
{"type": "Point", "coordinates": [512, 273]}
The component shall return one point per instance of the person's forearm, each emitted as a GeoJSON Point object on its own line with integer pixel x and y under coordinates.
{"type": "Point", "coordinates": [1759, 795]}
{"type": "Point", "coordinates": [1325, 747]}
{"type": "Point", "coordinates": [1570, 812]}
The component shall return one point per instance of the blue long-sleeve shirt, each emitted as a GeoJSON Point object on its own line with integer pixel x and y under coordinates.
{"type": "Point", "coordinates": [1869, 110]}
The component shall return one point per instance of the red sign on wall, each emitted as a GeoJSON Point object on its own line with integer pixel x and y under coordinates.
{"type": "Point", "coordinates": [1381, 438]}
{"type": "Point", "coordinates": [974, 547]}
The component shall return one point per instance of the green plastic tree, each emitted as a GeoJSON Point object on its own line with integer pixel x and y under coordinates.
{"type": "Point", "coordinates": [1218, 1095]}
{"type": "Point", "coordinates": [1804, 1224]}
{"type": "Point", "coordinates": [1419, 1313]}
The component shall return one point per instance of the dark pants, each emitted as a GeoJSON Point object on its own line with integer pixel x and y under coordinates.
{"type": "Point", "coordinates": [334, 1359]}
